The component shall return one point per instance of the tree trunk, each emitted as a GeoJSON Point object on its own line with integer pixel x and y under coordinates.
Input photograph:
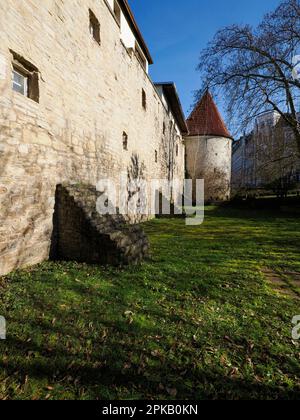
{"type": "Point", "coordinates": [297, 137]}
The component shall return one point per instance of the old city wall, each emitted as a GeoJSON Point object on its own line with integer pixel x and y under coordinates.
{"type": "Point", "coordinates": [89, 95]}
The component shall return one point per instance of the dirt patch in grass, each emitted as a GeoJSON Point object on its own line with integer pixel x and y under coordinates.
{"type": "Point", "coordinates": [282, 284]}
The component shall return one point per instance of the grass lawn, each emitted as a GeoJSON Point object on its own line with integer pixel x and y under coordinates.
{"type": "Point", "coordinates": [200, 320]}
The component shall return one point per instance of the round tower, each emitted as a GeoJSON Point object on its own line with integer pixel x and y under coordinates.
{"type": "Point", "coordinates": [209, 149]}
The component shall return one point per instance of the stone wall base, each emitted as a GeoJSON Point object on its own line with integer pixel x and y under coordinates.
{"type": "Point", "coordinates": [81, 234]}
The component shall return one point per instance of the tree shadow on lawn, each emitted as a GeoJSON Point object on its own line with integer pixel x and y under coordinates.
{"type": "Point", "coordinates": [164, 381]}
{"type": "Point", "coordinates": [105, 344]}
{"type": "Point", "coordinates": [263, 214]}
{"type": "Point", "coordinates": [90, 332]}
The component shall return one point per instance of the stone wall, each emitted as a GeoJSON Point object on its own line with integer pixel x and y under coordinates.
{"type": "Point", "coordinates": [209, 158]}
{"type": "Point", "coordinates": [81, 234]}
{"type": "Point", "coordinates": [89, 95]}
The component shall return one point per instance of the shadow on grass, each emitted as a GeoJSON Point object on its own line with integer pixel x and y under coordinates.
{"type": "Point", "coordinates": [197, 322]}
{"type": "Point", "coordinates": [92, 349]}
{"type": "Point", "coordinates": [246, 212]}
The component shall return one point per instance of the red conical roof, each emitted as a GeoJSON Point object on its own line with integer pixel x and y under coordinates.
{"type": "Point", "coordinates": [206, 120]}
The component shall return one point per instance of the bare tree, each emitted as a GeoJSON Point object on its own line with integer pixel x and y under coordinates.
{"type": "Point", "coordinates": [276, 162]}
{"type": "Point", "coordinates": [254, 68]}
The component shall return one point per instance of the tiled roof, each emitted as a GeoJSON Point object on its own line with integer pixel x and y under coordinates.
{"type": "Point", "coordinates": [206, 120]}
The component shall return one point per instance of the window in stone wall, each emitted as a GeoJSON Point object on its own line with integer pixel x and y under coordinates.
{"type": "Point", "coordinates": [164, 128]}
{"type": "Point", "coordinates": [20, 82]}
{"type": "Point", "coordinates": [117, 12]}
{"type": "Point", "coordinates": [144, 99]}
{"type": "Point", "coordinates": [156, 156]}
{"type": "Point", "coordinates": [177, 150]}
{"type": "Point", "coordinates": [25, 78]}
{"type": "Point", "coordinates": [95, 27]}
{"type": "Point", "coordinates": [125, 141]}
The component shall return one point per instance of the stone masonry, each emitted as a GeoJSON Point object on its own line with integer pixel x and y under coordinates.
{"type": "Point", "coordinates": [90, 93]}
{"type": "Point", "coordinates": [81, 234]}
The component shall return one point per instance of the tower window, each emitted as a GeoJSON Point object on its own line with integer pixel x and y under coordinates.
{"type": "Point", "coordinates": [177, 150]}
{"type": "Point", "coordinates": [156, 156]}
{"type": "Point", "coordinates": [95, 27]}
{"type": "Point", "coordinates": [117, 12]}
{"type": "Point", "coordinates": [25, 78]}
{"type": "Point", "coordinates": [125, 141]}
{"type": "Point", "coordinates": [164, 128]}
{"type": "Point", "coordinates": [144, 99]}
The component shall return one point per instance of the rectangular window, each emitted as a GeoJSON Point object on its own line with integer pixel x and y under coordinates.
{"type": "Point", "coordinates": [95, 27]}
{"type": "Point", "coordinates": [20, 82]}
{"type": "Point", "coordinates": [156, 156]}
{"type": "Point", "coordinates": [117, 12]}
{"type": "Point", "coordinates": [25, 78]}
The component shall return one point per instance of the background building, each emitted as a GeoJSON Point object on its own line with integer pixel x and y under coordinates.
{"type": "Point", "coordinates": [266, 160]}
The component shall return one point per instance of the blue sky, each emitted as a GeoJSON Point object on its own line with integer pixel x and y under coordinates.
{"type": "Point", "coordinates": [177, 30]}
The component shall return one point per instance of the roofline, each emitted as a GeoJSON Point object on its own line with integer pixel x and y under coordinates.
{"type": "Point", "coordinates": [212, 135]}
{"type": "Point", "coordinates": [134, 26]}
{"type": "Point", "coordinates": [171, 93]}
{"type": "Point", "coordinates": [164, 83]}
{"type": "Point", "coordinates": [198, 103]}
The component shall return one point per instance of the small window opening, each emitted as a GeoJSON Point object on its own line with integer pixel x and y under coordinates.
{"type": "Point", "coordinates": [156, 156]}
{"type": "Point", "coordinates": [95, 27]}
{"type": "Point", "coordinates": [125, 141]}
{"type": "Point", "coordinates": [117, 12]}
{"type": "Point", "coordinates": [177, 150]}
{"type": "Point", "coordinates": [144, 99]}
{"type": "Point", "coordinates": [25, 78]}
{"type": "Point", "coordinates": [164, 128]}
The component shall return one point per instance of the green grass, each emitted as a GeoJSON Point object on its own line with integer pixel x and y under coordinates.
{"type": "Point", "coordinates": [197, 321]}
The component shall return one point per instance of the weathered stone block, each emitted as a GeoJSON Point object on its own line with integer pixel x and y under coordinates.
{"type": "Point", "coordinates": [83, 235]}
